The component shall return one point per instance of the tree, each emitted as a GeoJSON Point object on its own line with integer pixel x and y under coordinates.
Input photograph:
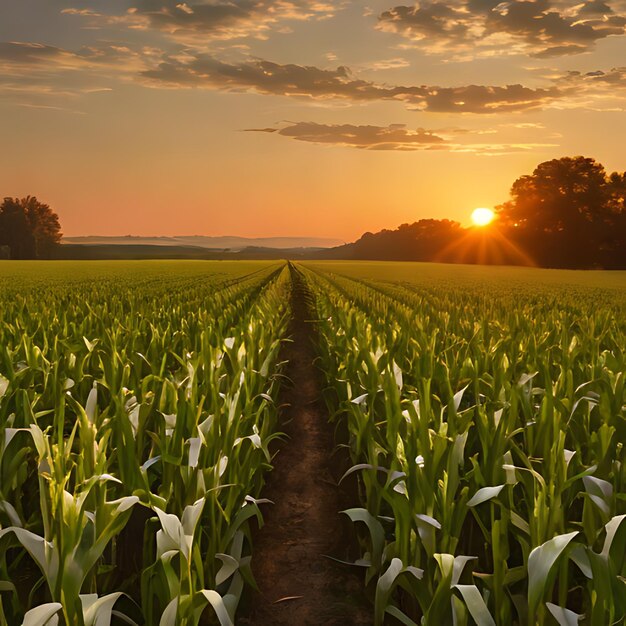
{"type": "Point", "coordinates": [568, 213]}
{"type": "Point", "coordinates": [29, 228]}
{"type": "Point", "coordinates": [419, 241]}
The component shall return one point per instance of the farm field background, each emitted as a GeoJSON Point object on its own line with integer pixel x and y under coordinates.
{"type": "Point", "coordinates": [485, 411]}
{"type": "Point", "coordinates": [473, 277]}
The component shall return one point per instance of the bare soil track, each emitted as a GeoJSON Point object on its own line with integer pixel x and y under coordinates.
{"type": "Point", "coordinates": [299, 585]}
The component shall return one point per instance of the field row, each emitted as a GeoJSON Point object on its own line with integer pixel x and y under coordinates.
{"type": "Point", "coordinates": [136, 409]}
{"type": "Point", "coordinates": [486, 423]}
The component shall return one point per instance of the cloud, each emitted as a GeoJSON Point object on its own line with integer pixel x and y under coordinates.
{"type": "Point", "coordinates": [615, 77]}
{"type": "Point", "coordinates": [266, 77]}
{"type": "Point", "coordinates": [42, 76]}
{"type": "Point", "coordinates": [30, 53]}
{"type": "Point", "coordinates": [19, 55]}
{"type": "Point", "coordinates": [487, 99]}
{"type": "Point", "coordinates": [595, 91]}
{"type": "Point", "coordinates": [41, 71]}
{"type": "Point", "coordinates": [396, 137]}
{"type": "Point", "coordinates": [189, 69]}
{"type": "Point", "coordinates": [595, 7]}
{"type": "Point", "coordinates": [202, 21]}
{"type": "Point", "coordinates": [386, 64]}
{"type": "Point", "coordinates": [393, 137]}
{"type": "Point", "coordinates": [541, 28]}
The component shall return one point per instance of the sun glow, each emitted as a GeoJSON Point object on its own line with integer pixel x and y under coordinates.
{"type": "Point", "coordinates": [482, 216]}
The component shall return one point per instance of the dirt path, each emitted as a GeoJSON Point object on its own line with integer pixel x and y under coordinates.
{"type": "Point", "coordinates": [303, 526]}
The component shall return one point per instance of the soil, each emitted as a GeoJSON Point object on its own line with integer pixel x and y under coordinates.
{"type": "Point", "coordinates": [299, 585]}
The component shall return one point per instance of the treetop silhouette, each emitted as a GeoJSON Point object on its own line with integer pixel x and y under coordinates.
{"type": "Point", "coordinates": [29, 228]}
{"type": "Point", "coordinates": [568, 213]}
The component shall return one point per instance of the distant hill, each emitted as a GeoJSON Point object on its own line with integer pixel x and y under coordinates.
{"type": "Point", "coordinates": [70, 251]}
{"type": "Point", "coordinates": [420, 241]}
{"type": "Point", "coordinates": [214, 243]}
{"type": "Point", "coordinates": [426, 240]}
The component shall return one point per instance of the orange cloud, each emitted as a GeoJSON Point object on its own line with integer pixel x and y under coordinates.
{"type": "Point", "coordinates": [393, 137]}
{"type": "Point", "coordinates": [37, 68]}
{"type": "Point", "coordinates": [541, 28]}
{"type": "Point", "coordinates": [265, 77]}
{"type": "Point", "coordinates": [221, 20]}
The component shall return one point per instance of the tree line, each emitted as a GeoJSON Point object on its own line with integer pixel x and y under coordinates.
{"type": "Point", "coordinates": [570, 212]}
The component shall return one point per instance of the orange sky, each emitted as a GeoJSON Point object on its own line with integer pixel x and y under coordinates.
{"type": "Point", "coordinates": [131, 121]}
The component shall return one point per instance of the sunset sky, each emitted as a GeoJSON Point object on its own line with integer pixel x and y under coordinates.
{"type": "Point", "coordinates": [302, 117]}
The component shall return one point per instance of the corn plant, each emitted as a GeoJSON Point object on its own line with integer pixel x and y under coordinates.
{"type": "Point", "coordinates": [136, 409]}
{"type": "Point", "coordinates": [485, 423]}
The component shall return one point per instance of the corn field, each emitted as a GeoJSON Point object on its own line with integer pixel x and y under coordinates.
{"type": "Point", "coordinates": [136, 408]}
{"type": "Point", "coordinates": [487, 423]}
{"type": "Point", "coordinates": [486, 418]}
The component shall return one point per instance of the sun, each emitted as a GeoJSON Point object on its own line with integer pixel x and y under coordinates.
{"type": "Point", "coordinates": [482, 216]}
